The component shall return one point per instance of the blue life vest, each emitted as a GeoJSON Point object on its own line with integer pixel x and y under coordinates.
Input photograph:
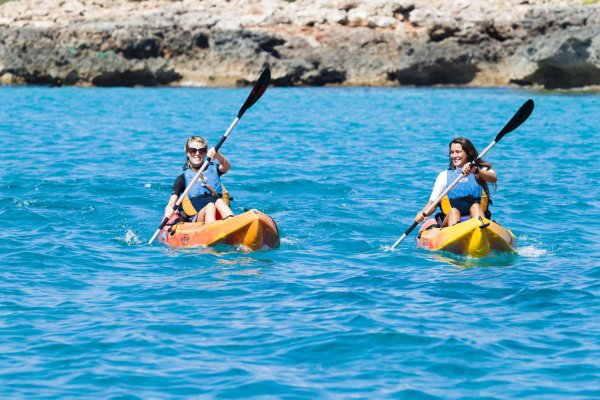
{"type": "Point", "coordinates": [211, 175]}
{"type": "Point", "coordinates": [465, 193]}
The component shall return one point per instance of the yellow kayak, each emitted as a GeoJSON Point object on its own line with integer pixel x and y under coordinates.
{"type": "Point", "coordinates": [473, 238]}
{"type": "Point", "coordinates": [251, 229]}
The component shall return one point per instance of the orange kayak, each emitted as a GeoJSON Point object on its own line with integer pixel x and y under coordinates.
{"type": "Point", "coordinates": [473, 238]}
{"type": "Point", "coordinates": [251, 229]}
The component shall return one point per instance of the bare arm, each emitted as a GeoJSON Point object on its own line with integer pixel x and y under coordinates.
{"type": "Point", "coordinates": [170, 205]}
{"type": "Point", "coordinates": [487, 175]}
{"type": "Point", "coordinates": [420, 215]}
{"type": "Point", "coordinates": [224, 163]}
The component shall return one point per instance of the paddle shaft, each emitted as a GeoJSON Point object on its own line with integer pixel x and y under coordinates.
{"type": "Point", "coordinates": [520, 116]}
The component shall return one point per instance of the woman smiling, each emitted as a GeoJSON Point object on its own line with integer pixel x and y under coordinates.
{"type": "Point", "coordinates": [205, 198]}
{"type": "Point", "coordinates": [471, 196]}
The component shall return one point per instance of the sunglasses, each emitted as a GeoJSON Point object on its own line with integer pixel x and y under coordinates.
{"type": "Point", "coordinates": [193, 151]}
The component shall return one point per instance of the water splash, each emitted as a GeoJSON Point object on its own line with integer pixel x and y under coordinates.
{"type": "Point", "coordinates": [131, 239]}
{"type": "Point", "coordinates": [386, 247]}
{"type": "Point", "coordinates": [532, 251]}
{"type": "Point", "coordinates": [294, 242]}
{"type": "Point", "coordinates": [533, 248]}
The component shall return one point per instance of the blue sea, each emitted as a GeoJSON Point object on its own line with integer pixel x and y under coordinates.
{"type": "Point", "coordinates": [89, 310]}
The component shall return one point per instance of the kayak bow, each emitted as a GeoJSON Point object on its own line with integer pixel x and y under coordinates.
{"type": "Point", "coordinates": [251, 229]}
{"type": "Point", "coordinates": [473, 238]}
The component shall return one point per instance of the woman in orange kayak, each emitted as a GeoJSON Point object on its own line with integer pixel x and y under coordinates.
{"type": "Point", "coordinates": [205, 198]}
{"type": "Point", "coordinates": [470, 197]}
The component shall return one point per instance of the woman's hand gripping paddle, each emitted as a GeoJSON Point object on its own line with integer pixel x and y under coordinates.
{"type": "Point", "coordinates": [520, 117]}
{"type": "Point", "coordinates": [259, 89]}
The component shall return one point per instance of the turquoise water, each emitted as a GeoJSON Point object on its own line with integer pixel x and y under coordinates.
{"type": "Point", "coordinates": [89, 309]}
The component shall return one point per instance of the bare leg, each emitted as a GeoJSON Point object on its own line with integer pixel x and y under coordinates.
{"type": "Point", "coordinates": [476, 211]}
{"type": "Point", "coordinates": [452, 218]}
{"type": "Point", "coordinates": [210, 212]}
{"type": "Point", "coordinates": [223, 209]}
{"type": "Point", "coordinates": [200, 216]}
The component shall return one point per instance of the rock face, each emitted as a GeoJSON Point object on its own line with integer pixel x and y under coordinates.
{"type": "Point", "coordinates": [546, 43]}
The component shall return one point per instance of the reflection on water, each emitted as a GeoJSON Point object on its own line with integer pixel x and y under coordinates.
{"type": "Point", "coordinates": [221, 262]}
{"type": "Point", "coordinates": [494, 259]}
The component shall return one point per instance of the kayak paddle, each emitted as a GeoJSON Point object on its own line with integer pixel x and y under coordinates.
{"type": "Point", "coordinates": [257, 91]}
{"type": "Point", "coordinates": [520, 117]}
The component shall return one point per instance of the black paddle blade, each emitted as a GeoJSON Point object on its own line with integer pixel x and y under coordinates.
{"type": "Point", "coordinates": [520, 117]}
{"type": "Point", "coordinates": [257, 91]}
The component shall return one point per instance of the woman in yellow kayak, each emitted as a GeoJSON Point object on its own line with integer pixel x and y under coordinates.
{"type": "Point", "coordinates": [205, 198]}
{"type": "Point", "coordinates": [470, 197]}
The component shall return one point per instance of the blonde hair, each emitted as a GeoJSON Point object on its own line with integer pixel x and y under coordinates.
{"type": "Point", "coordinates": [196, 139]}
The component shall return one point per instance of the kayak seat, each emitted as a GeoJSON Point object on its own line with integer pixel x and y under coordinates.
{"type": "Point", "coordinates": [439, 217]}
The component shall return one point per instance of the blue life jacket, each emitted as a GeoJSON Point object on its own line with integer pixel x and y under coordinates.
{"type": "Point", "coordinates": [211, 175]}
{"type": "Point", "coordinates": [465, 193]}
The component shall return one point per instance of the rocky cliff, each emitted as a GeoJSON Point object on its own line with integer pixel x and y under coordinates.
{"type": "Point", "coordinates": [545, 43]}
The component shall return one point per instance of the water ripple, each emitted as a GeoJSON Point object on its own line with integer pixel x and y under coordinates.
{"type": "Point", "coordinates": [88, 308]}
